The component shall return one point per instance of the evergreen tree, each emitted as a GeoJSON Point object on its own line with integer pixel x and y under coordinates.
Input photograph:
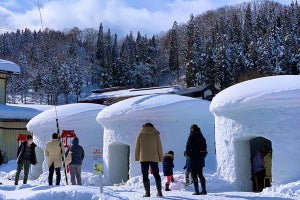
{"type": "Point", "coordinates": [99, 58]}
{"type": "Point", "coordinates": [190, 74]}
{"type": "Point", "coordinates": [248, 28]}
{"type": "Point", "coordinates": [173, 56]}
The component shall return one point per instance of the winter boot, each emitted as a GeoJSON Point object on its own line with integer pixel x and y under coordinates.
{"type": "Point", "coordinates": [203, 185]}
{"type": "Point", "coordinates": [187, 180]}
{"type": "Point", "coordinates": [158, 187]}
{"type": "Point", "coordinates": [147, 188]}
{"type": "Point", "coordinates": [167, 187]}
{"type": "Point", "coordinates": [196, 187]}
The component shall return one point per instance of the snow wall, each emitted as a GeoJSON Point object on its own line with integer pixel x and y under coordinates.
{"type": "Point", "coordinates": [267, 107]}
{"type": "Point", "coordinates": [171, 114]}
{"type": "Point", "coordinates": [80, 117]}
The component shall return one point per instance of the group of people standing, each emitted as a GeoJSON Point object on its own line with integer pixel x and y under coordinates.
{"type": "Point", "coordinates": [261, 169]}
{"type": "Point", "coordinates": [149, 152]}
{"type": "Point", "coordinates": [55, 153]}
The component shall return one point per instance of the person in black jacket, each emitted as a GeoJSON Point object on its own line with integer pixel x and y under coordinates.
{"type": "Point", "coordinates": [77, 158]}
{"type": "Point", "coordinates": [25, 156]}
{"type": "Point", "coordinates": [196, 150]}
{"type": "Point", "coordinates": [168, 165]}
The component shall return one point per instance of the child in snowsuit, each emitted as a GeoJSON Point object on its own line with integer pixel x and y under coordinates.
{"type": "Point", "coordinates": [187, 172]}
{"type": "Point", "coordinates": [168, 166]}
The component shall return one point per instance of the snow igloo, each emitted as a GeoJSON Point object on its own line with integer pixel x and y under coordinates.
{"type": "Point", "coordinates": [171, 114]}
{"type": "Point", "coordinates": [248, 115]}
{"type": "Point", "coordinates": [80, 117]}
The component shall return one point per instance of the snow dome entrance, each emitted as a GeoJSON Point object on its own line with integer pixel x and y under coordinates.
{"type": "Point", "coordinates": [259, 143]}
{"type": "Point", "coordinates": [118, 162]}
{"type": "Point", "coordinates": [257, 109]}
{"type": "Point", "coordinates": [262, 144]}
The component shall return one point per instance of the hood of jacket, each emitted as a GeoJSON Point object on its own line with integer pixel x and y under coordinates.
{"type": "Point", "coordinates": [169, 155]}
{"type": "Point", "coordinates": [149, 130]}
{"type": "Point", "coordinates": [75, 141]}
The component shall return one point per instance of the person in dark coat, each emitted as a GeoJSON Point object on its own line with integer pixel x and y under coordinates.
{"type": "Point", "coordinates": [196, 150]}
{"type": "Point", "coordinates": [77, 158]}
{"type": "Point", "coordinates": [25, 156]}
{"type": "Point", "coordinates": [258, 171]}
{"type": "Point", "coordinates": [168, 165]}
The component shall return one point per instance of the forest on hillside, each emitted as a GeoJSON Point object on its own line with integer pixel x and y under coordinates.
{"type": "Point", "coordinates": [220, 47]}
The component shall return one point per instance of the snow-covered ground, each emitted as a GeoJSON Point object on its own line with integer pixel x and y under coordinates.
{"type": "Point", "coordinates": [217, 187]}
{"type": "Point", "coordinates": [132, 190]}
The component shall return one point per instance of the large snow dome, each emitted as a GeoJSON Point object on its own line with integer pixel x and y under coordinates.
{"type": "Point", "coordinates": [171, 114]}
{"type": "Point", "coordinates": [80, 117]}
{"type": "Point", "coordinates": [250, 113]}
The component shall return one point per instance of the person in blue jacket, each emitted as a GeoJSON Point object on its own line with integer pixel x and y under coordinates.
{"type": "Point", "coordinates": [77, 158]}
{"type": "Point", "coordinates": [168, 165]}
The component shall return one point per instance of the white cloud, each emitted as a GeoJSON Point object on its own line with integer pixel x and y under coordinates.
{"type": "Point", "coordinates": [118, 15]}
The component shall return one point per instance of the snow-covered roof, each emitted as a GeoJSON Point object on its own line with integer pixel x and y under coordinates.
{"type": "Point", "coordinates": [9, 67]}
{"type": "Point", "coordinates": [66, 115]}
{"type": "Point", "coordinates": [23, 112]}
{"type": "Point", "coordinates": [264, 92]}
{"type": "Point", "coordinates": [133, 92]}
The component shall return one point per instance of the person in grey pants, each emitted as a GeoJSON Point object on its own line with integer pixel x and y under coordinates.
{"type": "Point", "coordinates": [77, 158]}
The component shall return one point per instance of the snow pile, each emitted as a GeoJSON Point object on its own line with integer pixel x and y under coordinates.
{"type": "Point", "coordinates": [171, 114]}
{"type": "Point", "coordinates": [267, 107]}
{"type": "Point", "coordinates": [78, 117]}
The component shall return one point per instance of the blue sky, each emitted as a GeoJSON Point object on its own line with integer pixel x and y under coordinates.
{"type": "Point", "coordinates": [121, 16]}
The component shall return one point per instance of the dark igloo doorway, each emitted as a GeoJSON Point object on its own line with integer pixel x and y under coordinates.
{"type": "Point", "coordinates": [118, 162]}
{"type": "Point", "coordinates": [261, 145]}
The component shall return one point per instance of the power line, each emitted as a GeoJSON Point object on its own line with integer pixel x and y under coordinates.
{"type": "Point", "coordinates": [40, 15]}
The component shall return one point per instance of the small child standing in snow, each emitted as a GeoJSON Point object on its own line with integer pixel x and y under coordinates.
{"type": "Point", "coordinates": [168, 166]}
{"type": "Point", "coordinates": [187, 171]}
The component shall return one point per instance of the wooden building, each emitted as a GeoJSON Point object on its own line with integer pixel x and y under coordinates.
{"type": "Point", "coordinates": [108, 96]}
{"type": "Point", "coordinates": [13, 118]}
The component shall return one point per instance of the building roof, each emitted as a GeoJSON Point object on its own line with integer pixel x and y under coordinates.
{"type": "Point", "coordinates": [7, 67]}
{"type": "Point", "coordinates": [109, 96]}
{"type": "Point", "coordinates": [20, 112]}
